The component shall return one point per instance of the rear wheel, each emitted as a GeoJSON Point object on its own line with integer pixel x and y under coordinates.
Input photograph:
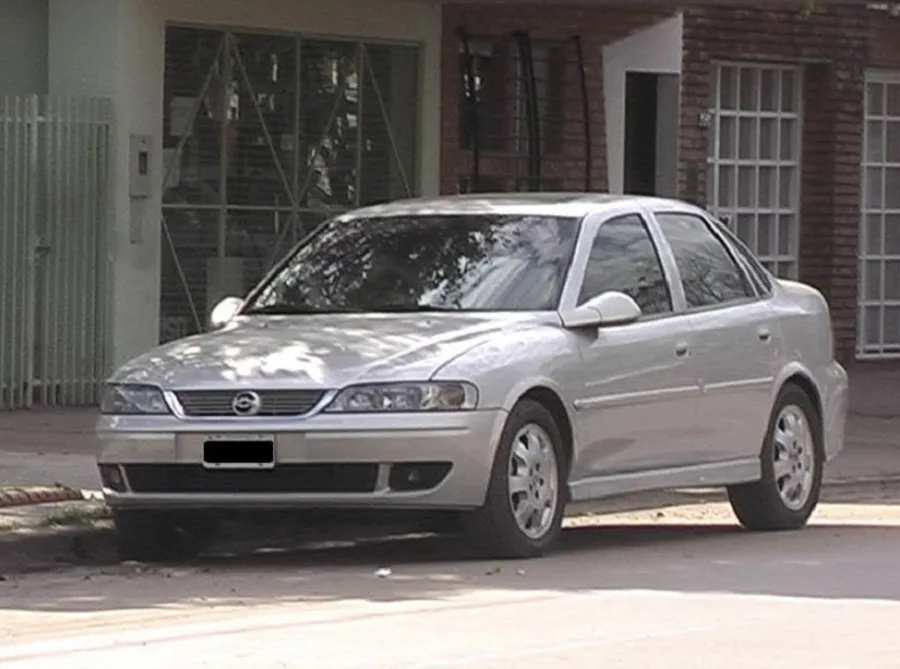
{"type": "Point", "coordinates": [793, 459]}
{"type": "Point", "coordinates": [162, 535]}
{"type": "Point", "coordinates": [523, 512]}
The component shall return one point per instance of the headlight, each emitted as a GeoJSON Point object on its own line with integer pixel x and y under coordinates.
{"type": "Point", "coordinates": [124, 399]}
{"type": "Point", "coordinates": [398, 397]}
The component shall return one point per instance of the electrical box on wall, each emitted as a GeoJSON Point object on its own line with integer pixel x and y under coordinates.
{"type": "Point", "coordinates": [139, 167]}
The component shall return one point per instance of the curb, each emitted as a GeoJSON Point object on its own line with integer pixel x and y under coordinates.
{"type": "Point", "coordinates": [862, 480]}
{"type": "Point", "coordinates": [11, 497]}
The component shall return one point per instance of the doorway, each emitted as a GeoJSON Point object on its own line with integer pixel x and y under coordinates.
{"type": "Point", "coordinates": [651, 134]}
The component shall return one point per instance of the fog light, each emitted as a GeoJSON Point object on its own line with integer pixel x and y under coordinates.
{"type": "Point", "coordinates": [411, 476]}
{"type": "Point", "coordinates": [112, 478]}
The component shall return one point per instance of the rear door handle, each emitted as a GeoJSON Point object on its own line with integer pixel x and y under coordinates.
{"type": "Point", "coordinates": [764, 334]}
{"type": "Point", "coordinates": [681, 349]}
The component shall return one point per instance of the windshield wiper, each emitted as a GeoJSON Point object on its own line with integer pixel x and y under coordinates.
{"type": "Point", "coordinates": [412, 309]}
{"type": "Point", "coordinates": [291, 310]}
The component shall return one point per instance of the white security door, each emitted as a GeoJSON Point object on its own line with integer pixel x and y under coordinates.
{"type": "Point", "coordinates": [878, 331]}
{"type": "Point", "coordinates": [754, 159]}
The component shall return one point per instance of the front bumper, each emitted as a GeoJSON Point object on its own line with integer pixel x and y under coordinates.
{"type": "Point", "coordinates": [324, 461]}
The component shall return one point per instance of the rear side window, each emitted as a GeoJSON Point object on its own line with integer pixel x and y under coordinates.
{"type": "Point", "coordinates": [757, 272]}
{"type": "Point", "coordinates": [709, 274]}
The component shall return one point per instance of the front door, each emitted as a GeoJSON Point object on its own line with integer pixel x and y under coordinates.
{"type": "Point", "coordinates": [636, 409]}
{"type": "Point", "coordinates": [737, 343]}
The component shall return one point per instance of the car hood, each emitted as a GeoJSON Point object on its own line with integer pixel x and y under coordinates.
{"type": "Point", "coordinates": [319, 351]}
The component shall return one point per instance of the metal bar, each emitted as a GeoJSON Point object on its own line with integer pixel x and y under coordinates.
{"type": "Point", "coordinates": [387, 126]}
{"type": "Point", "coordinates": [472, 105]}
{"type": "Point", "coordinates": [362, 59]}
{"type": "Point", "coordinates": [105, 266]}
{"type": "Point", "coordinates": [5, 226]}
{"type": "Point", "coordinates": [16, 283]}
{"type": "Point", "coordinates": [523, 42]}
{"type": "Point", "coordinates": [585, 112]}
{"type": "Point", "coordinates": [31, 225]}
{"type": "Point", "coordinates": [298, 121]}
{"type": "Point", "coordinates": [225, 122]}
{"type": "Point", "coordinates": [65, 255]}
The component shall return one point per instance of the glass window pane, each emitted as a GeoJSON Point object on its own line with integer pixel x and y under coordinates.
{"type": "Point", "coordinates": [892, 149]}
{"type": "Point", "coordinates": [788, 140]}
{"type": "Point", "coordinates": [787, 187]}
{"type": "Point", "coordinates": [768, 139]}
{"type": "Point", "coordinates": [727, 137]}
{"type": "Point", "coordinates": [727, 186]}
{"type": "Point", "coordinates": [892, 234]}
{"type": "Point", "coordinates": [872, 330]}
{"type": "Point", "coordinates": [875, 99]}
{"type": "Point", "coordinates": [746, 229]}
{"type": "Point", "coordinates": [874, 142]}
{"type": "Point", "coordinates": [787, 225]}
{"type": "Point", "coordinates": [746, 186]}
{"type": "Point", "coordinates": [748, 143]}
{"type": "Point", "coordinates": [892, 187]}
{"type": "Point", "coordinates": [768, 187]}
{"type": "Point", "coordinates": [765, 235]}
{"type": "Point", "coordinates": [624, 258]}
{"type": "Point", "coordinates": [893, 99]}
{"type": "Point", "coordinates": [892, 280]}
{"type": "Point", "coordinates": [872, 280]}
{"type": "Point", "coordinates": [892, 328]}
{"type": "Point", "coordinates": [873, 187]}
{"type": "Point", "coordinates": [768, 89]}
{"type": "Point", "coordinates": [789, 91]}
{"type": "Point", "coordinates": [708, 273]}
{"type": "Point", "coordinates": [727, 87]}
{"type": "Point", "coordinates": [873, 234]}
{"type": "Point", "coordinates": [749, 89]}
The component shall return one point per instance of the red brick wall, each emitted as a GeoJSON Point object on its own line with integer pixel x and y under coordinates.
{"type": "Point", "coordinates": [832, 46]}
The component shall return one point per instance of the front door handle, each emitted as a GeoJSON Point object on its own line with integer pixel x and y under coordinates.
{"type": "Point", "coordinates": [764, 334]}
{"type": "Point", "coordinates": [681, 349]}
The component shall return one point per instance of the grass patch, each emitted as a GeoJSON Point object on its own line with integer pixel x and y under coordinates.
{"type": "Point", "coordinates": [75, 514]}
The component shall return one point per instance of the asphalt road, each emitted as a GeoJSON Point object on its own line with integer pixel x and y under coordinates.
{"type": "Point", "coordinates": [681, 587]}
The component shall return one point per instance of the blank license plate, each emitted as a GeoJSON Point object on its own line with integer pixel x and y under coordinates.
{"type": "Point", "coordinates": [239, 452]}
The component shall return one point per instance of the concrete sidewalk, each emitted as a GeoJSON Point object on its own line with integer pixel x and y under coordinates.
{"type": "Point", "coordinates": [48, 447]}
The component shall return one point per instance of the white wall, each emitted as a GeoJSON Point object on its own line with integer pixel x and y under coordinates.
{"type": "Point", "coordinates": [23, 47]}
{"type": "Point", "coordinates": [656, 49]}
{"type": "Point", "coordinates": [116, 49]}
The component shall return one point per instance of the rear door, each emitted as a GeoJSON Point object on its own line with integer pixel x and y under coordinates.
{"type": "Point", "coordinates": [737, 343]}
{"type": "Point", "coordinates": [638, 394]}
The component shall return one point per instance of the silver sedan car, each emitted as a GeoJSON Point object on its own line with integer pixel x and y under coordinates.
{"type": "Point", "coordinates": [498, 357]}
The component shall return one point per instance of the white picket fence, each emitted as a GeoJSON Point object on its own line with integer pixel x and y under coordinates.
{"type": "Point", "coordinates": [54, 269]}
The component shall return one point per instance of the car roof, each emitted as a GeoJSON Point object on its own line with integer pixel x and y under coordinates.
{"type": "Point", "coordinates": [571, 205]}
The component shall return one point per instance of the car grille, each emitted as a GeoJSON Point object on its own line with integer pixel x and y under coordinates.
{"type": "Point", "coordinates": [288, 478]}
{"type": "Point", "coordinates": [273, 402]}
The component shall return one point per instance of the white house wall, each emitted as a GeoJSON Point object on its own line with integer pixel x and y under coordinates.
{"type": "Point", "coordinates": [23, 47]}
{"type": "Point", "coordinates": [657, 49]}
{"type": "Point", "coordinates": [116, 49]}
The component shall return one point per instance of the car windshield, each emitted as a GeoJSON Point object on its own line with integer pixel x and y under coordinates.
{"type": "Point", "coordinates": [459, 262]}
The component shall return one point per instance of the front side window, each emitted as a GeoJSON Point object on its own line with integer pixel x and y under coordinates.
{"type": "Point", "coordinates": [623, 258]}
{"type": "Point", "coordinates": [709, 274]}
{"type": "Point", "coordinates": [458, 262]}
{"type": "Point", "coordinates": [759, 273]}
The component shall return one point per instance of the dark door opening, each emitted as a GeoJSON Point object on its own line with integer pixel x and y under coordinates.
{"type": "Point", "coordinates": [641, 108]}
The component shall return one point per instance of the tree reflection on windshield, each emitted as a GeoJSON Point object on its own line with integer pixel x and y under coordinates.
{"type": "Point", "coordinates": [471, 262]}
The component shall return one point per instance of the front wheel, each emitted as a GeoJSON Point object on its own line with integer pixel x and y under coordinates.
{"type": "Point", "coordinates": [793, 459]}
{"type": "Point", "coordinates": [522, 515]}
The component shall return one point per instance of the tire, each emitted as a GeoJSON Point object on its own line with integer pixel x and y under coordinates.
{"type": "Point", "coordinates": [493, 529]}
{"type": "Point", "coordinates": [762, 506]}
{"type": "Point", "coordinates": [153, 536]}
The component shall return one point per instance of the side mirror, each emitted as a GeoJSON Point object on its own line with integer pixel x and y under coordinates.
{"type": "Point", "coordinates": [610, 308]}
{"type": "Point", "coordinates": [224, 311]}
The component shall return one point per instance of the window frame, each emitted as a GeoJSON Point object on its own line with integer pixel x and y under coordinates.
{"type": "Point", "coordinates": [588, 245]}
{"type": "Point", "coordinates": [749, 283]}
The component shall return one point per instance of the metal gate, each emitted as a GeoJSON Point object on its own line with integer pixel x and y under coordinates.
{"type": "Point", "coordinates": [265, 136]}
{"type": "Point", "coordinates": [754, 159]}
{"type": "Point", "coordinates": [54, 162]}
{"type": "Point", "coordinates": [878, 329]}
